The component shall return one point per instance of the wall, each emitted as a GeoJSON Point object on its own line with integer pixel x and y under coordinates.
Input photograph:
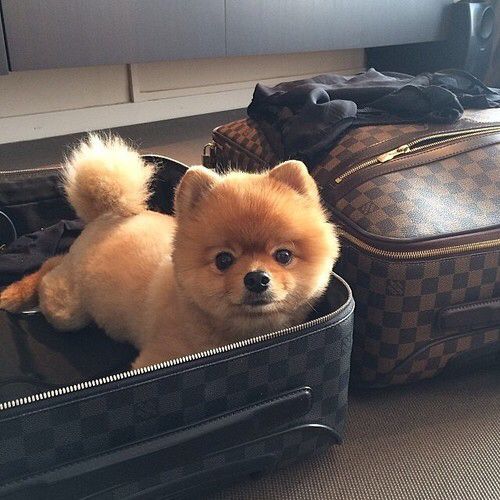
{"type": "Point", "coordinates": [43, 91]}
{"type": "Point", "coordinates": [44, 103]}
{"type": "Point", "coordinates": [493, 76]}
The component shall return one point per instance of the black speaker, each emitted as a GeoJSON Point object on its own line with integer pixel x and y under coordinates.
{"type": "Point", "coordinates": [471, 36]}
{"type": "Point", "coordinates": [468, 45]}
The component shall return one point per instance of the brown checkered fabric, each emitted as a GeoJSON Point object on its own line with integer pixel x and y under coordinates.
{"type": "Point", "coordinates": [360, 140]}
{"type": "Point", "coordinates": [241, 144]}
{"type": "Point", "coordinates": [356, 142]}
{"type": "Point", "coordinates": [398, 302]}
{"type": "Point", "coordinates": [238, 141]}
{"type": "Point", "coordinates": [397, 336]}
{"type": "Point", "coordinates": [416, 202]}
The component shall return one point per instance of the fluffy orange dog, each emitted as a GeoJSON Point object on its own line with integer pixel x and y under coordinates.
{"type": "Point", "coordinates": [245, 254]}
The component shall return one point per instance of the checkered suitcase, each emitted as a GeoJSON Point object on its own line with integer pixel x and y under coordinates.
{"type": "Point", "coordinates": [418, 208]}
{"type": "Point", "coordinates": [169, 430]}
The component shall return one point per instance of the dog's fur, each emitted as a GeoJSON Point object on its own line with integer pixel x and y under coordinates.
{"type": "Point", "coordinates": [151, 280]}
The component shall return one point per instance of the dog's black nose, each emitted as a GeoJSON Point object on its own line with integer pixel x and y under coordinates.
{"type": "Point", "coordinates": [257, 281]}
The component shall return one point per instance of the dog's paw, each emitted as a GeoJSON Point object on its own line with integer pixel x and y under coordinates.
{"type": "Point", "coordinates": [12, 299]}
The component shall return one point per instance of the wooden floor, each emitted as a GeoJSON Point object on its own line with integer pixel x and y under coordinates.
{"type": "Point", "coordinates": [182, 139]}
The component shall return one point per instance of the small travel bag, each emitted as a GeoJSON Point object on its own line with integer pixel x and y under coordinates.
{"type": "Point", "coordinates": [75, 423]}
{"type": "Point", "coordinates": [418, 212]}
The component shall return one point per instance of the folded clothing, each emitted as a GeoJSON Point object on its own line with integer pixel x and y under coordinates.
{"type": "Point", "coordinates": [35, 358]}
{"type": "Point", "coordinates": [304, 119]}
{"type": "Point", "coordinates": [27, 253]}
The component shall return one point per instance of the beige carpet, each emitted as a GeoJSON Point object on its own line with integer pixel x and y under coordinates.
{"type": "Point", "coordinates": [436, 440]}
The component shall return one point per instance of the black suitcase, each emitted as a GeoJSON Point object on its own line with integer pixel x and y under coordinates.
{"type": "Point", "coordinates": [74, 423]}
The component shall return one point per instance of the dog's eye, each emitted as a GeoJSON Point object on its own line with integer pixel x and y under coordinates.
{"type": "Point", "coordinates": [223, 260]}
{"type": "Point", "coordinates": [283, 256]}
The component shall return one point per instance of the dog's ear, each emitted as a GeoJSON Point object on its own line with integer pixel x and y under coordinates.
{"type": "Point", "coordinates": [195, 184]}
{"type": "Point", "coordinates": [294, 174]}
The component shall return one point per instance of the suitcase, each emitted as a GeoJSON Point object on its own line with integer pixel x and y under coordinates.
{"type": "Point", "coordinates": [75, 423]}
{"type": "Point", "coordinates": [418, 211]}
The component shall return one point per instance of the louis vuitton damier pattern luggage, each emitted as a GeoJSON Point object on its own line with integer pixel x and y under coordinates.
{"type": "Point", "coordinates": [418, 211]}
{"type": "Point", "coordinates": [76, 423]}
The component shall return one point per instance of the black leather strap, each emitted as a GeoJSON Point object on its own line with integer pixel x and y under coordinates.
{"type": "Point", "coordinates": [471, 316]}
{"type": "Point", "coordinates": [8, 231]}
{"type": "Point", "coordinates": [173, 449]}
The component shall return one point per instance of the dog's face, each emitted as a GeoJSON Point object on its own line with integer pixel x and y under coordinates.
{"type": "Point", "coordinates": [252, 250]}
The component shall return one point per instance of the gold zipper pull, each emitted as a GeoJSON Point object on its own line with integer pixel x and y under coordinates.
{"type": "Point", "coordinates": [392, 154]}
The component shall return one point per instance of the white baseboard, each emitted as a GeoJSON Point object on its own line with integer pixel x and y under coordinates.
{"type": "Point", "coordinates": [39, 126]}
{"type": "Point", "coordinates": [210, 100]}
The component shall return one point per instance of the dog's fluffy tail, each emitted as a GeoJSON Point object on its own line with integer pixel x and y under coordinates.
{"type": "Point", "coordinates": [104, 175]}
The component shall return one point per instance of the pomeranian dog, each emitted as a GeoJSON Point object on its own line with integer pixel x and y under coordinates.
{"type": "Point", "coordinates": [245, 254]}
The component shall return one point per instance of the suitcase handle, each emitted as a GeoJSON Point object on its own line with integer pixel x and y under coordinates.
{"type": "Point", "coordinates": [194, 484]}
{"type": "Point", "coordinates": [471, 316]}
{"type": "Point", "coordinates": [101, 472]}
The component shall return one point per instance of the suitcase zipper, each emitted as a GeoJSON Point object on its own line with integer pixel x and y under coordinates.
{"type": "Point", "coordinates": [413, 147]}
{"type": "Point", "coordinates": [173, 362]}
{"type": "Point", "coordinates": [420, 254]}
{"type": "Point", "coordinates": [60, 167]}
{"type": "Point", "coordinates": [30, 170]}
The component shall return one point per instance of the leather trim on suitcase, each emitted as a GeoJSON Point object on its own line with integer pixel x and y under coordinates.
{"type": "Point", "coordinates": [181, 447]}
